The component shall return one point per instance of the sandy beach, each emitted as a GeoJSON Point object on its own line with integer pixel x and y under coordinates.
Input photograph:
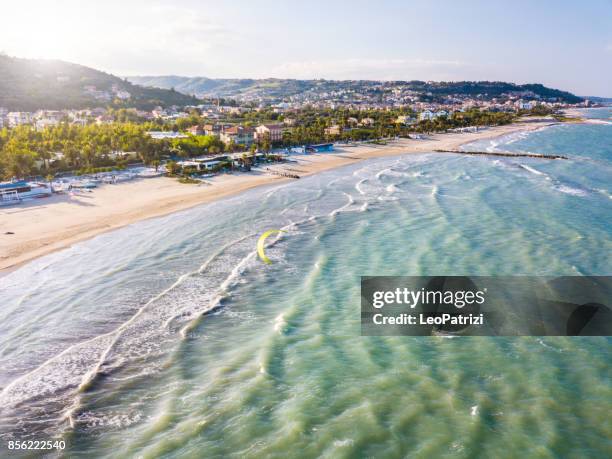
{"type": "Point", "coordinates": [38, 227]}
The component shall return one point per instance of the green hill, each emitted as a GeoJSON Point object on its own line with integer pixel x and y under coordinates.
{"type": "Point", "coordinates": [31, 84]}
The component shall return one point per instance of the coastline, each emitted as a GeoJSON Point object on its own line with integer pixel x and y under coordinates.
{"type": "Point", "coordinates": [43, 226]}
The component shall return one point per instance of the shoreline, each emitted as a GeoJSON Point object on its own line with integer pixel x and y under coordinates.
{"type": "Point", "coordinates": [46, 225]}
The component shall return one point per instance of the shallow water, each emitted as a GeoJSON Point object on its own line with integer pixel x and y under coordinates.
{"type": "Point", "coordinates": [107, 343]}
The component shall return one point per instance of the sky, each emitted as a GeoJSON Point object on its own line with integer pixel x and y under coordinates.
{"type": "Point", "coordinates": [562, 44]}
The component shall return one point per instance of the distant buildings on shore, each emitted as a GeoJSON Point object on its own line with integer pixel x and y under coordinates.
{"type": "Point", "coordinates": [240, 133]}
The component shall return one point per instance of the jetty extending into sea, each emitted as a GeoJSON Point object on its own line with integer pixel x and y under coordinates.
{"type": "Point", "coordinates": [504, 153]}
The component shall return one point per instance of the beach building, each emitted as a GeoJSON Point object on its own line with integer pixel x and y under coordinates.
{"type": "Point", "coordinates": [204, 164]}
{"type": "Point", "coordinates": [14, 192]}
{"type": "Point", "coordinates": [320, 148]}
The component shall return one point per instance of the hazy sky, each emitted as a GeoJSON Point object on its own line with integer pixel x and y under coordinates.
{"type": "Point", "coordinates": [564, 44]}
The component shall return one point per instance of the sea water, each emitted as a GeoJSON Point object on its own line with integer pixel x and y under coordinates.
{"type": "Point", "coordinates": [171, 338]}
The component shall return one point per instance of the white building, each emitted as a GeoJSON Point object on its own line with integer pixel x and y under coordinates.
{"type": "Point", "coordinates": [166, 135]}
{"type": "Point", "coordinates": [429, 115]}
{"type": "Point", "coordinates": [367, 122]}
{"type": "Point", "coordinates": [426, 115]}
{"type": "Point", "coordinates": [45, 123]}
{"type": "Point", "coordinates": [123, 95]}
{"type": "Point", "coordinates": [406, 120]}
{"type": "Point", "coordinates": [18, 118]}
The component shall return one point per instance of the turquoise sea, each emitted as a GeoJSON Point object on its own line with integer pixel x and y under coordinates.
{"type": "Point", "coordinates": [170, 338]}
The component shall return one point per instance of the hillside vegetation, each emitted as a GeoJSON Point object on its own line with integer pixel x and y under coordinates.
{"type": "Point", "coordinates": [31, 84]}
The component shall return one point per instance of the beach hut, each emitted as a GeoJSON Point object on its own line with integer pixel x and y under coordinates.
{"type": "Point", "coordinates": [320, 148]}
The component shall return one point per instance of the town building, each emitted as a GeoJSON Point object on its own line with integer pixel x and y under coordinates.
{"type": "Point", "coordinates": [367, 122]}
{"type": "Point", "coordinates": [215, 129]}
{"type": "Point", "coordinates": [274, 132]}
{"type": "Point", "coordinates": [196, 130]}
{"type": "Point", "coordinates": [333, 130]}
{"type": "Point", "coordinates": [166, 135]}
{"type": "Point", "coordinates": [406, 120]}
{"type": "Point", "coordinates": [239, 135]}
{"type": "Point", "coordinates": [426, 115]}
{"type": "Point", "coordinates": [44, 123]}
{"type": "Point", "coordinates": [18, 118]}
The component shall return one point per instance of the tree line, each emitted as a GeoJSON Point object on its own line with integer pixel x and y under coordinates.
{"type": "Point", "coordinates": [25, 151]}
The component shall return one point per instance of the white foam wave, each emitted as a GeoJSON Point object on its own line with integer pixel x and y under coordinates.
{"type": "Point", "coordinates": [531, 169]}
{"type": "Point", "coordinates": [556, 184]}
{"type": "Point", "coordinates": [381, 173]}
{"type": "Point", "coordinates": [350, 202]}
{"type": "Point", "coordinates": [597, 121]}
{"type": "Point", "coordinates": [572, 191]}
{"type": "Point", "coordinates": [359, 188]}
{"type": "Point", "coordinates": [344, 442]}
{"type": "Point", "coordinates": [392, 188]}
{"type": "Point", "coordinates": [279, 323]}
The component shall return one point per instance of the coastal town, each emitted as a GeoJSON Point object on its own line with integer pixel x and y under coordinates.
{"type": "Point", "coordinates": [118, 162]}
{"type": "Point", "coordinates": [45, 151]}
{"type": "Point", "coordinates": [417, 106]}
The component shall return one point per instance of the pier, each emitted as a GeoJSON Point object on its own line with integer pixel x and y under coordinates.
{"type": "Point", "coordinates": [503, 153]}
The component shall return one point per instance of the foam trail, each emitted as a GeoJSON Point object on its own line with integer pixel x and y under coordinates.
{"type": "Point", "coordinates": [532, 170]}
{"type": "Point", "coordinates": [359, 188]}
{"type": "Point", "coordinates": [79, 348]}
{"type": "Point", "coordinates": [350, 202]}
